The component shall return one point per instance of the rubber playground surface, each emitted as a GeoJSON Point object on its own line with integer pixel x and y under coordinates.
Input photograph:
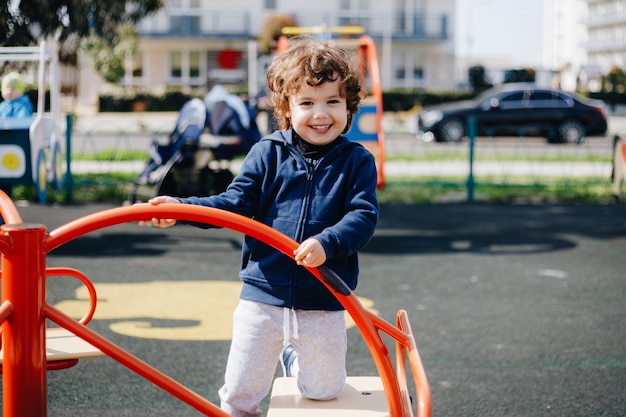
{"type": "Point", "coordinates": [517, 310]}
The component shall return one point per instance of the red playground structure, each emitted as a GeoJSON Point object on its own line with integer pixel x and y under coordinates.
{"type": "Point", "coordinates": [29, 349]}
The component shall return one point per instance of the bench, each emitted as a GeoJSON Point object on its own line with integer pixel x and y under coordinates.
{"type": "Point", "coordinates": [362, 396]}
{"type": "Point", "coordinates": [63, 345]}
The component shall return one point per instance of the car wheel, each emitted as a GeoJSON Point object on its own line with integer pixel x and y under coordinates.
{"type": "Point", "coordinates": [571, 131]}
{"type": "Point", "coordinates": [452, 130]}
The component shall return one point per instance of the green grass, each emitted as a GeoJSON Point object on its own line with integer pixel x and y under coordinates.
{"type": "Point", "coordinates": [495, 156]}
{"type": "Point", "coordinates": [115, 188]}
{"type": "Point", "coordinates": [135, 155]}
{"type": "Point", "coordinates": [112, 155]}
{"type": "Point", "coordinates": [525, 191]}
{"type": "Point", "coordinates": [87, 188]}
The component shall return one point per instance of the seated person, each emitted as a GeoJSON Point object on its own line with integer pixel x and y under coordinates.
{"type": "Point", "coordinates": [16, 103]}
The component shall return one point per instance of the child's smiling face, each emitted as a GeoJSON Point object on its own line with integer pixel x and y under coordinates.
{"type": "Point", "coordinates": [318, 114]}
{"type": "Point", "coordinates": [9, 92]}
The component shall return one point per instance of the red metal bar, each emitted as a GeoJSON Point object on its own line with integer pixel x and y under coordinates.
{"type": "Point", "coordinates": [8, 210]}
{"type": "Point", "coordinates": [371, 58]}
{"type": "Point", "coordinates": [93, 297]}
{"type": "Point", "coordinates": [254, 229]}
{"type": "Point", "coordinates": [251, 228]}
{"type": "Point", "coordinates": [30, 239]}
{"type": "Point", "coordinates": [24, 362]}
{"type": "Point", "coordinates": [409, 349]}
{"type": "Point", "coordinates": [135, 364]}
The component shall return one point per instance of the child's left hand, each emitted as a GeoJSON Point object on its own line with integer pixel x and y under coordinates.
{"type": "Point", "coordinates": [310, 253]}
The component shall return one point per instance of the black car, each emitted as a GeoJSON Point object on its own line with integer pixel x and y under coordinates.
{"type": "Point", "coordinates": [516, 110]}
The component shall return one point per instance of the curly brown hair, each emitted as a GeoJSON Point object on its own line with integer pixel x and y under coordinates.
{"type": "Point", "coordinates": [313, 62]}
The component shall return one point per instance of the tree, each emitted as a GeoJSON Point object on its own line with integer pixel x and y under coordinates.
{"type": "Point", "coordinates": [108, 60]}
{"type": "Point", "coordinates": [271, 31]}
{"type": "Point", "coordinates": [478, 78]}
{"type": "Point", "coordinates": [521, 75]}
{"type": "Point", "coordinates": [616, 80]}
{"type": "Point", "coordinates": [27, 22]}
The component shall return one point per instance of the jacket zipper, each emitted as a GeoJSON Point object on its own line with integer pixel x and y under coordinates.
{"type": "Point", "coordinates": [310, 171]}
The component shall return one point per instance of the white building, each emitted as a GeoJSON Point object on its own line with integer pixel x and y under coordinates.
{"type": "Point", "coordinates": [565, 39]}
{"type": "Point", "coordinates": [606, 27]}
{"type": "Point", "coordinates": [195, 43]}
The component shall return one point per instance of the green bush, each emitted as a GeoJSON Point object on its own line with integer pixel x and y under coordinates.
{"type": "Point", "coordinates": [393, 101]}
{"type": "Point", "coordinates": [403, 100]}
{"type": "Point", "coordinates": [170, 101]}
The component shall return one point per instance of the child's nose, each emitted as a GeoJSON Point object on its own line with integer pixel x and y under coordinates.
{"type": "Point", "coordinates": [320, 111]}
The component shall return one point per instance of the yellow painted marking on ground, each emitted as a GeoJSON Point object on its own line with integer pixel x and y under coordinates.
{"type": "Point", "coordinates": [199, 310]}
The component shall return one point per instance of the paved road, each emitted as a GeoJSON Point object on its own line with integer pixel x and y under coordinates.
{"type": "Point", "coordinates": [518, 310]}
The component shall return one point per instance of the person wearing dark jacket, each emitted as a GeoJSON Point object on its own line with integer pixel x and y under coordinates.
{"type": "Point", "coordinates": [308, 181]}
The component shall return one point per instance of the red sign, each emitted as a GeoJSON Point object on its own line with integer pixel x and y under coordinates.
{"type": "Point", "coordinates": [228, 59]}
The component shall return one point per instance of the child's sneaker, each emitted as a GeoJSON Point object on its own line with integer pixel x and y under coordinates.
{"type": "Point", "coordinates": [287, 358]}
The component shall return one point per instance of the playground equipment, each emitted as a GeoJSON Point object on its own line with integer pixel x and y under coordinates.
{"type": "Point", "coordinates": [367, 126]}
{"type": "Point", "coordinates": [619, 165]}
{"type": "Point", "coordinates": [194, 159]}
{"type": "Point", "coordinates": [30, 148]}
{"type": "Point", "coordinates": [23, 313]}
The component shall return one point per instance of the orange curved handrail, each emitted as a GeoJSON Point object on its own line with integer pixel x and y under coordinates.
{"type": "Point", "coordinates": [93, 296]}
{"type": "Point", "coordinates": [367, 323]}
{"type": "Point", "coordinates": [8, 210]}
{"type": "Point", "coordinates": [422, 387]}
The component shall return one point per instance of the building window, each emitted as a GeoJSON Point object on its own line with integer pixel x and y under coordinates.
{"type": "Point", "coordinates": [194, 64]}
{"type": "Point", "coordinates": [185, 4]}
{"type": "Point", "coordinates": [270, 4]}
{"type": "Point", "coordinates": [176, 64]}
{"type": "Point", "coordinates": [185, 17]}
{"type": "Point", "coordinates": [187, 68]}
{"type": "Point", "coordinates": [185, 24]}
{"type": "Point", "coordinates": [137, 65]}
{"type": "Point", "coordinates": [409, 69]}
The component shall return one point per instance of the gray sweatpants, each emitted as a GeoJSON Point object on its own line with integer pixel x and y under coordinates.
{"type": "Point", "coordinates": [260, 332]}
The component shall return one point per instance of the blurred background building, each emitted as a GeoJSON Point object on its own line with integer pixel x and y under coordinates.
{"type": "Point", "coordinates": [196, 43]}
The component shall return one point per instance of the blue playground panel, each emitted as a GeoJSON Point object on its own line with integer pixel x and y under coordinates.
{"type": "Point", "coordinates": [15, 152]}
{"type": "Point", "coordinates": [364, 125]}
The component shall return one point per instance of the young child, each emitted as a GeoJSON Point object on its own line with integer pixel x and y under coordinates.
{"type": "Point", "coordinates": [16, 103]}
{"type": "Point", "coordinates": [311, 183]}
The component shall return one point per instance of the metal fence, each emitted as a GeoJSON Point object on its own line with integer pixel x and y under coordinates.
{"type": "Point", "coordinates": [521, 161]}
{"type": "Point", "coordinates": [478, 161]}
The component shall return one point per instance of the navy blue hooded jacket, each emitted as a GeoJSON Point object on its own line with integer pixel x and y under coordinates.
{"type": "Point", "coordinates": [334, 202]}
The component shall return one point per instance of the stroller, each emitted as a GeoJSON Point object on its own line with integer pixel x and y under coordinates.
{"type": "Point", "coordinates": [195, 159]}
